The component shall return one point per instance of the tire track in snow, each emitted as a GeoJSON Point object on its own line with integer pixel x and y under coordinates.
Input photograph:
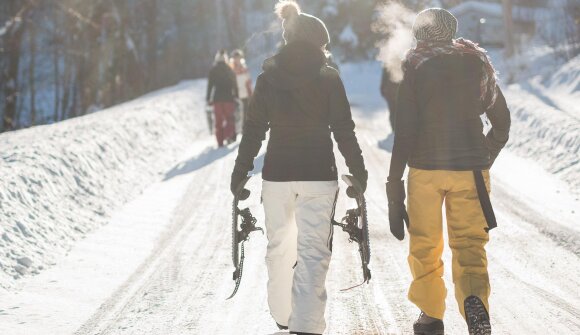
{"type": "Point", "coordinates": [563, 236]}
{"type": "Point", "coordinates": [185, 285]}
{"type": "Point", "coordinates": [132, 291]}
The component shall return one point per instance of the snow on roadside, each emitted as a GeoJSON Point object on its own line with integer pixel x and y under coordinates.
{"type": "Point", "coordinates": [61, 181]}
{"type": "Point", "coordinates": [545, 134]}
{"type": "Point", "coordinates": [545, 117]}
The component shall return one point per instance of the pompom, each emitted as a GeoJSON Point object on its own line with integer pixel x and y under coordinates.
{"type": "Point", "coordinates": [287, 9]}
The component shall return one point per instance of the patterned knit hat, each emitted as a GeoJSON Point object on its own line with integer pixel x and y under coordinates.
{"type": "Point", "coordinates": [300, 26]}
{"type": "Point", "coordinates": [435, 24]}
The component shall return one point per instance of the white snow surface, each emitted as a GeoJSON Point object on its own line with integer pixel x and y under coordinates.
{"type": "Point", "coordinates": [162, 264]}
{"type": "Point", "coordinates": [62, 181]}
{"type": "Point", "coordinates": [544, 103]}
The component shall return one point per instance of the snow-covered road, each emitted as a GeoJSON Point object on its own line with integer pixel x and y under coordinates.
{"type": "Point", "coordinates": [163, 264]}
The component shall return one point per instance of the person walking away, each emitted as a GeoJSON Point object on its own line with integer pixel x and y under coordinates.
{"type": "Point", "coordinates": [302, 101]}
{"type": "Point", "coordinates": [448, 84]}
{"type": "Point", "coordinates": [244, 82]}
{"type": "Point", "coordinates": [389, 91]}
{"type": "Point", "coordinates": [222, 90]}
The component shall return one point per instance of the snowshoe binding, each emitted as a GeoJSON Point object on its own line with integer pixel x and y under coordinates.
{"type": "Point", "coordinates": [241, 233]}
{"type": "Point", "coordinates": [355, 223]}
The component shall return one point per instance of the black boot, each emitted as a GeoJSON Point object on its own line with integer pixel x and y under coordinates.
{"type": "Point", "coordinates": [298, 333]}
{"type": "Point", "coordinates": [281, 327]}
{"type": "Point", "coordinates": [426, 325]}
{"type": "Point", "coordinates": [476, 316]}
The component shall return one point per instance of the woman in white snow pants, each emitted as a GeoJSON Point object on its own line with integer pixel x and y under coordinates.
{"type": "Point", "coordinates": [299, 227]}
{"type": "Point", "coordinates": [302, 102]}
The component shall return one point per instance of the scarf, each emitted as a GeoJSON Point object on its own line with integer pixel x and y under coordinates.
{"type": "Point", "coordinates": [426, 50]}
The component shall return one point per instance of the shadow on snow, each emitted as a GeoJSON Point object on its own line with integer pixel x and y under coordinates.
{"type": "Point", "coordinates": [208, 156]}
{"type": "Point", "coordinates": [387, 143]}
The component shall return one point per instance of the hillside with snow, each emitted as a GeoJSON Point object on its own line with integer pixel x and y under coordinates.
{"type": "Point", "coordinates": [118, 222]}
{"type": "Point", "coordinates": [60, 182]}
{"type": "Point", "coordinates": [545, 115]}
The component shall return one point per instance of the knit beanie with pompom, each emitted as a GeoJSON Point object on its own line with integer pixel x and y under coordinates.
{"type": "Point", "coordinates": [300, 26]}
{"type": "Point", "coordinates": [435, 24]}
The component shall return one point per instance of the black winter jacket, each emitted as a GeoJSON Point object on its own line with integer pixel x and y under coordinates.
{"type": "Point", "coordinates": [301, 101]}
{"type": "Point", "coordinates": [221, 84]}
{"type": "Point", "coordinates": [438, 124]}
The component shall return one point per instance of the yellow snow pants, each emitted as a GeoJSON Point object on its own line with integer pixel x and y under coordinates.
{"type": "Point", "coordinates": [427, 191]}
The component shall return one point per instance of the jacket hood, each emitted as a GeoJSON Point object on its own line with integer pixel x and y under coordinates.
{"type": "Point", "coordinates": [296, 64]}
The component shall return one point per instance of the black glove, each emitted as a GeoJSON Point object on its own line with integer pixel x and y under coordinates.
{"type": "Point", "coordinates": [362, 178]}
{"type": "Point", "coordinates": [237, 178]}
{"type": "Point", "coordinates": [397, 212]}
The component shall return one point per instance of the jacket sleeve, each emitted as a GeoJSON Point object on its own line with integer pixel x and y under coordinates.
{"type": "Point", "coordinates": [210, 85]}
{"type": "Point", "coordinates": [255, 128]}
{"type": "Point", "coordinates": [384, 78]}
{"type": "Point", "coordinates": [405, 126]}
{"type": "Point", "coordinates": [342, 127]}
{"type": "Point", "coordinates": [499, 116]}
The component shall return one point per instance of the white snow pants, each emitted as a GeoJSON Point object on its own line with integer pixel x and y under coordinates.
{"type": "Point", "coordinates": [299, 228]}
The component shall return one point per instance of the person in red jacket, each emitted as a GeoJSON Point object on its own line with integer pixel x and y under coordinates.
{"type": "Point", "coordinates": [222, 91]}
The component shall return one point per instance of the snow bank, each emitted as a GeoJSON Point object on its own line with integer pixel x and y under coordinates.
{"type": "Point", "coordinates": [564, 87]}
{"type": "Point", "coordinates": [545, 134]}
{"type": "Point", "coordinates": [60, 182]}
{"type": "Point", "coordinates": [546, 119]}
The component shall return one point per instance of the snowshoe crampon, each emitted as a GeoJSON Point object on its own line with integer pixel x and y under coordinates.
{"type": "Point", "coordinates": [355, 223]}
{"type": "Point", "coordinates": [241, 230]}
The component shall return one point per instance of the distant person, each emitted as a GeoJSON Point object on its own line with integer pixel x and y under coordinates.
{"type": "Point", "coordinates": [448, 84]}
{"type": "Point", "coordinates": [222, 91]}
{"type": "Point", "coordinates": [244, 81]}
{"type": "Point", "coordinates": [389, 91]}
{"type": "Point", "coordinates": [302, 101]}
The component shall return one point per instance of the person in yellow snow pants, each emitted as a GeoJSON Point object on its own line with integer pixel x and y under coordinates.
{"type": "Point", "coordinates": [428, 191]}
{"type": "Point", "coordinates": [448, 84]}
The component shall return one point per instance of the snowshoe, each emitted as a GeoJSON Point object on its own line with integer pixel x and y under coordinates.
{"type": "Point", "coordinates": [426, 325]}
{"type": "Point", "coordinates": [240, 233]}
{"type": "Point", "coordinates": [476, 316]}
{"type": "Point", "coordinates": [355, 223]}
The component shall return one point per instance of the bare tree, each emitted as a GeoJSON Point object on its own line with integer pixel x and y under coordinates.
{"type": "Point", "coordinates": [151, 14]}
{"type": "Point", "coordinates": [13, 44]}
{"type": "Point", "coordinates": [56, 43]}
{"type": "Point", "coordinates": [509, 27]}
{"type": "Point", "coordinates": [32, 71]}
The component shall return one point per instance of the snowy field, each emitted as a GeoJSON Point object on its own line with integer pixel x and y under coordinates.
{"type": "Point", "coordinates": [124, 217]}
